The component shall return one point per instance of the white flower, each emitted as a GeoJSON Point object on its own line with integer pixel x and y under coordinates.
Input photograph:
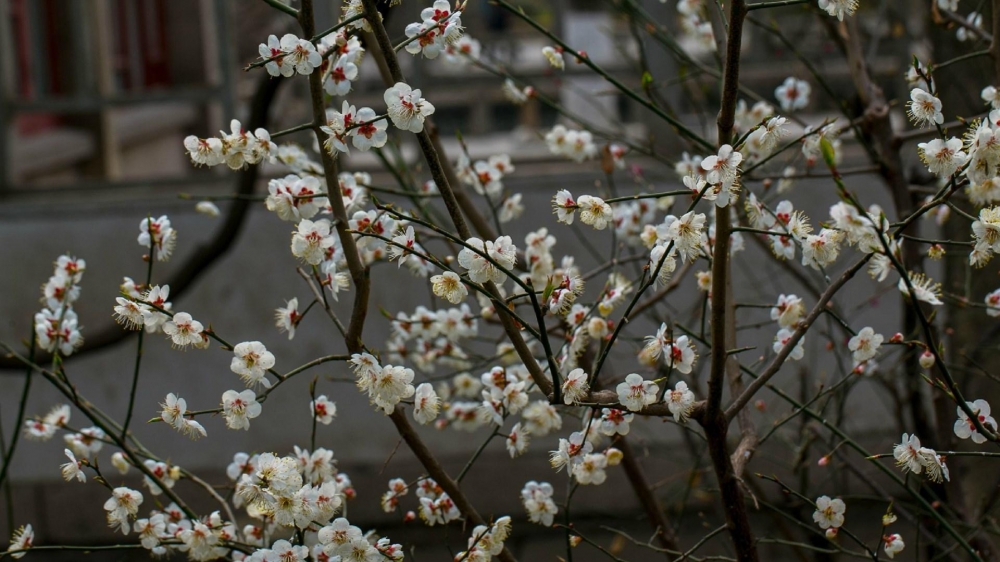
{"type": "Point", "coordinates": [287, 318]}
{"type": "Point", "coordinates": [204, 152]}
{"type": "Point", "coordinates": [371, 131]}
{"type": "Point", "coordinates": [829, 513]}
{"type": "Point", "coordinates": [517, 440]}
{"type": "Point", "coordinates": [251, 362]}
{"type": "Point", "coordinates": [990, 95]}
{"type": "Point", "coordinates": [575, 386]}
{"type": "Point", "coordinates": [942, 158]}
{"type": "Point", "coordinates": [973, 19]}
{"type": "Point", "coordinates": [72, 469]}
{"type": "Point", "coordinates": [299, 55]}
{"type": "Point", "coordinates": [792, 94]}
{"type": "Point", "coordinates": [839, 8]}
{"type": "Point", "coordinates": [722, 168]}
{"type": "Point", "coordinates": [291, 198]}
{"type": "Point", "coordinates": [336, 129]}
{"type": "Point", "coordinates": [781, 340]}
{"type": "Point", "coordinates": [406, 108]}
{"type": "Point", "coordinates": [311, 241]}
{"type": "Point", "coordinates": [87, 443]}
{"type": "Point", "coordinates": [680, 402]}
{"type": "Point", "coordinates": [924, 109]}
{"type": "Point", "coordinates": [511, 208]}
{"type": "Point", "coordinates": [159, 236]}
{"type": "Point", "coordinates": [993, 303]}
{"type": "Point", "coordinates": [570, 450]}
{"type": "Point", "coordinates": [685, 232]}
{"type": "Point", "coordinates": [21, 540]}
{"type": "Point", "coordinates": [614, 422]}
{"type": "Point", "coordinates": [537, 500]}
{"type": "Point", "coordinates": [636, 393]}
{"type": "Point", "coordinates": [121, 506]}
{"type": "Point", "coordinates": [174, 408]}
{"type": "Point", "coordinates": [594, 212]}
{"type": "Point", "coordinates": [964, 428]}
{"type": "Point", "coordinates": [865, 345]}
{"type": "Point", "coordinates": [821, 250]}
{"type": "Point", "coordinates": [449, 286]}
{"type": "Point", "coordinates": [590, 469]}
{"type": "Point", "coordinates": [515, 94]}
{"type": "Point", "coordinates": [893, 545]}
{"type": "Point", "coordinates": [239, 408]}
{"type": "Point", "coordinates": [564, 206]}
{"type": "Point", "coordinates": [343, 72]}
{"type": "Point", "coordinates": [482, 270]}
{"type": "Point", "coordinates": [425, 404]}
{"type": "Point", "coordinates": [910, 456]}
{"type": "Point", "coordinates": [554, 57]}
{"type": "Point", "coordinates": [184, 330]}
{"type": "Point", "coordinates": [129, 313]}
{"type": "Point", "coordinates": [925, 288]}
{"type": "Point", "coordinates": [788, 311]}
{"type": "Point", "coordinates": [120, 462]}
{"type": "Point", "coordinates": [388, 386]}
{"type": "Point", "coordinates": [323, 409]}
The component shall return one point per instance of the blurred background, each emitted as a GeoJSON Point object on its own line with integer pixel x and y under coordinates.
{"type": "Point", "coordinates": [97, 95]}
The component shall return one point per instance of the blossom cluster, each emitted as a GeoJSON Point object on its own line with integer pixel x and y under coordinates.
{"type": "Point", "coordinates": [57, 326]}
{"type": "Point", "coordinates": [236, 149]}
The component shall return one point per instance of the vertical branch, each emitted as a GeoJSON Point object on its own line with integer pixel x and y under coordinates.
{"type": "Point", "coordinates": [359, 273]}
{"type": "Point", "coordinates": [138, 350]}
{"type": "Point", "coordinates": [723, 316]}
{"type": "Point", "coordinates": [8, 455]}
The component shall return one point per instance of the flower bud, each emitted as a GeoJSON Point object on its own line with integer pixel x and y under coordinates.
{"type": "Point", "coordinates": [575, 540]}
{"type": "Point", "coordinates": [760, 405]}
{"type": "Point", "coordinates": [207, 208]}
{"type": "Point", "coordinates": [119, 461]}
{"type": "Point", "coordinates": [896, 338]}
{"type": "Point", "coordinates": [927, 359]}
{"type": "Point", "coordinates": [614, 456]}
{"type": "Point", "coordinates": [410, 516]}
{"type": "Point", "coordinates": [888, 519]}
{"type": "Point", "coordinates": [831, 533]}
{"type": "Point", "coordinates": [824, 460]}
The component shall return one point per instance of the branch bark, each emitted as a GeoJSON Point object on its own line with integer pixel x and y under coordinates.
{"type": "Point", "coordinates": [723, 334]}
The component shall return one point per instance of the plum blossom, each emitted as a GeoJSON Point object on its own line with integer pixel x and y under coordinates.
{"type": "Point", "coordinates": [575, 387]}
{"type": "Point", "coordinates": [839, 8]}
{"type": "Point", "coordinates": [425, 404]}
{"type": "Point", "coordinates": [538, 502]}
{"type": "Point", "coordinates": [792, 94]}
{"type": "Point", "coordinates": [238, 408]}
{"type": "Point", "coordinates": [782, 339]}
{"type": "Point", "coordinates": [636, 393]}
{"type": "Point", "coordinates": [406, 108]}
{"type": "Point", "coordinates": [22, 540]}
{"type": "Point", "coordinates": [680, 402]}
{"type": "Point", "coordinates": [184, 330]}
{"type": "Point", "coordinates": [251, 362]}
{"type": "Point", "coordinates": [964, 428]}
{"type": "Point", "coordinates": [829, 512]}
{"type": "Point", "coordinates": [323, 410]}
{"type": "Point", "coordinates": [924, 109]}
{"type": "Point", "coordinates": [865, 345]}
